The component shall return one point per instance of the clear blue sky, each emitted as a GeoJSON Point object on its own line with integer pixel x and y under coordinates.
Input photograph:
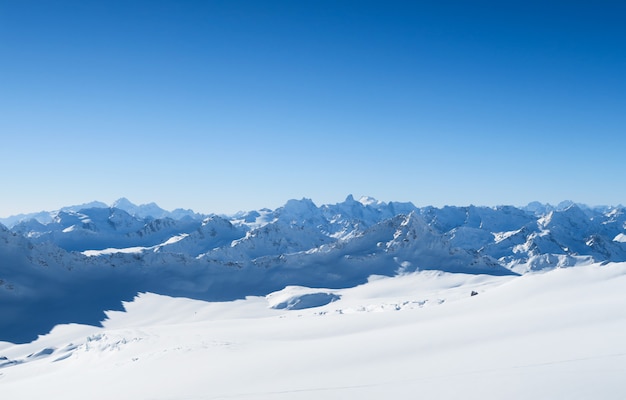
{"type": "Point", "coordinates": [222, 106]}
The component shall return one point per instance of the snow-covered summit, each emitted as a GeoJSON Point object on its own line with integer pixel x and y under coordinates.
{"type": "Point", "coordinates": [504, 233]}
{"type": "Point", "coordinates": [153, 211]}
{"type": "Point", "coordinates": [368, 201]}
{"type": "Point", "coordinates": [143, 211]}
{"type": "Point", "coordinates": [88, 251]}
{"type": "Point", "coordinates": [150, 210]}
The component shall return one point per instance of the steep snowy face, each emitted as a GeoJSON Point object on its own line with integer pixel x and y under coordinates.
{"type": "Point", "coordinates": [46, 217]}
{"type": "Point", "coordinates": [70, 223]}
{"type": "Point", "coordinates": [20, 256]}
{"type": "Point", "coordinates": [100, 228]}
{"type": "Point", "coordinates": [510, 235]}
{"type": "Point", "coordinates": [141, 212]}
{"type": "Point", "coordinates": [152, 211]}
{"type": "Point", "coordinates": [298, 212]}
{"type": "Point", "coordinates": [159, 230]}
{"type": "Point", "coordinates": [565, 235]}
{"type": "Point", "coordinates": [125, 204]}
{"type": "Point", "coordinates": [107, 252]}
{"type": "Point", "coordinates": [568, 222]}
{"type": "Point", "coordinates": [215, 232]}
{"type": "Point", "coordinates": [497, 219]}
{"type": "Point", "coordinates": [351, 217]}
{"type": "Point", "coordinates": [273, 239]}
{"type": "Point", "coordinates": [575, 233]}
{"type": "Point", "coordinates": [420, 246]}
{"type": "Point", "coordinates": [613, 221]}
{"type": "Point", "coordinates": [396, 245]}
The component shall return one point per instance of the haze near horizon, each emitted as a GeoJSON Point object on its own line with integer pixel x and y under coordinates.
{"type": "Point", "coordinates": [227, 106]}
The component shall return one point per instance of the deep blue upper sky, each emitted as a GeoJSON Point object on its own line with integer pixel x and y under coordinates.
{"type": "Point", "coordinates": [227, 105]}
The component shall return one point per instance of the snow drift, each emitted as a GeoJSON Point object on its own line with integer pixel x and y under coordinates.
{"type": "Point", "coordinates": [71, 265]}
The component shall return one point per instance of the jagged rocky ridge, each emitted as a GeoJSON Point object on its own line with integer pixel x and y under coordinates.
{"type": "Point", "coordinates": [71, 265]}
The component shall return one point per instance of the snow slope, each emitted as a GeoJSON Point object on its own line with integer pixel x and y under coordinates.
{"type": "Point", "coordinates": [80, 261]}
{"type": "Point", "coordinates": [519, 239]}
{"type": "Point", "coordinates": [360, 299]}
{"type": "Point", "coordinates": [547, 335]}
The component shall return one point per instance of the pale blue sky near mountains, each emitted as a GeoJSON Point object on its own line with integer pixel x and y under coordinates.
{"type": "Point", "coordinates": [222, 106]}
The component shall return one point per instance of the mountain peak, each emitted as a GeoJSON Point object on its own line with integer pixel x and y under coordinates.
{"type": "Point", "coordinates": [123, 203]}
{"type": "Point", "coordinates": [150, 210]}
{"type": "Point", "coordinates": [368, 201]}
{"type": "Point", "coordinates": [302, 207]}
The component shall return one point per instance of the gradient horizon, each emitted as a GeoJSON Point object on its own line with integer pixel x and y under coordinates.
{"type": "Point", "coordinates": [238, 105]}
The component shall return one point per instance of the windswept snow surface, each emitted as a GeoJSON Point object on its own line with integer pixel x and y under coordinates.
{"type": "Point", "coordinates": [360, 299]}
{"type": "Point", "coordinates": [543, 335]}
{"type": "Point", "coordinates": [71, 265]}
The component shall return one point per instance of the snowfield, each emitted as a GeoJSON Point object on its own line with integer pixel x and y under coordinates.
{"type": "Point", "coordinates": [556, 334]}
{"type": "Point", "coordinates": [360, 299]}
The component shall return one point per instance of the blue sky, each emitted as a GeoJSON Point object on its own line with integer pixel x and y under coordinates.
{"type": "Point", "coordinates": [222, 106]}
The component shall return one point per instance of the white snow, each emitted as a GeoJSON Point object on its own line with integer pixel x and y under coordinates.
{"type": "Point", "coordinates": [69, 229]}
{"type": "Point", "coordinates": [550, 335]}
{"type": "Point", "coordinates": [620, 238]}
{"type": "Point", "coordinates": [368, 201]}
{"type": "Point", "coordinates": [500, 236]}
{"type": "Point", "coordinates": [557, 333]}
{"type": "Point", "coordinates": [510, 235]}
{"type": "Point", "coordinates": [134, 250]}
{"type": "Point", "coordinates": [127, 250]}
{"type": "Point", "coordinates": [297, 297]}
{"type": "Point", "coordinates": [175, 239]}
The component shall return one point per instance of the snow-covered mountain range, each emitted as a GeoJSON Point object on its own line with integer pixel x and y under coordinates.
{"type": "Point", "coordinates": [73, 264]}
